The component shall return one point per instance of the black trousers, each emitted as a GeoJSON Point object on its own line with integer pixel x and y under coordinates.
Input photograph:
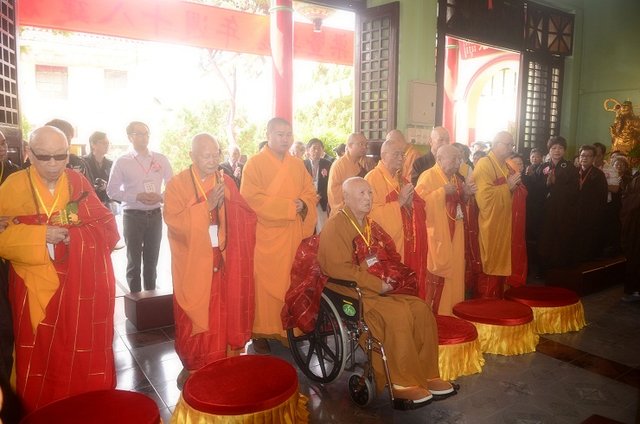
{"type": "Point", "coordinates": [142, 234]}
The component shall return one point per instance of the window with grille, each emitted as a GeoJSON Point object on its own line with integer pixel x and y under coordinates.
{"type": "Point", "coordinates": [376, 65]}
{"type": "Point", "coordinates": [540, 117]}
{"type": "Point", "coordinates": [8, 60]}
{"type": "Point", "coordinates": [52, 82]}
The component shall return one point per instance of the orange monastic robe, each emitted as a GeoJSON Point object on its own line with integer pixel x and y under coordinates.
{"type": "Point", "coordinates": [445, 239]}
{"type": "Point", "coordinates": [340, 170]}
{"type": "Point", "coordinates": [62, 308]}
{"type": "Point", "coordinates": [270, 187]}
{"type": "Point", "coordinates": [494, 220]}
{"type": "Point", "coordinates": [213, 286]}
{"type": "Point", "coordinates": [410, 156]}
{"type": "Point", "coordinates": [406, 227]}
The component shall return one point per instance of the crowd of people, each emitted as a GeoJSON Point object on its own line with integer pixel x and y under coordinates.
{"type": "Point", "coordinates": [418, 233]}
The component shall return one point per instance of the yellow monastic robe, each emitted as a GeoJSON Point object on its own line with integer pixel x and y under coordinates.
{"type": "Point", "coordinates": [387, 214]}
{"type": "Point", "coordinates": [445, 254]}
{"type": "Point", "coordinates": [25, 245]}
{"type": "Point", "coordinates": [340, 170]}
{"type": "Point", "coordinates": [410, 155]}
{"type": "Point", "coordinates": [494, 219]}
{"type": "Point", "coordinates": [270, 187]}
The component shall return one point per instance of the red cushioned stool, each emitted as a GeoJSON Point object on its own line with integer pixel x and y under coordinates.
{"type": "Point", "coordinates": [555, 309]}
{"type": "Point", "coordinates": [99, 407]}
{"type": "Point", "coordinates": [242, 389]}
{"type": "Point", "coordinates": [504, 327]}
{"type": "Point", "coordinates": [458, 348]}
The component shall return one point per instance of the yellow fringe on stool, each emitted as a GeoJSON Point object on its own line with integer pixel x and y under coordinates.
{"type": "Point", "coordinates": [292, 411]}
{"type": "Point", "coordinates": [506, 339]}
{"type": "Point", "coordinates": [455, 360]}
{"type": "Point", "coordinates": [558, 319]}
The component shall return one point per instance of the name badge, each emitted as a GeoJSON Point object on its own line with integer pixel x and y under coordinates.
{"type": "Point", "coordinates": [149, 186]}
{"type": "Point", "coordinates": [52, 250]}
{"type": "Point", "coordinates": [213, 235]}
{"type": "Point", "coordinates": [371, 260]}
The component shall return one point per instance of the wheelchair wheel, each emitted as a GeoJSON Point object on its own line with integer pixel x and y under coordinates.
{"type": "Point", "coordinates": [361, 390]}
{"type": "Point", "coordinates": [320, 354]}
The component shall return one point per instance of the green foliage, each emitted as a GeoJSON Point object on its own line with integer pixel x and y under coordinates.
{"type": "Point", "coordinates": [329, 117]}
{"type": "Point", "coordinates": [210, 118]}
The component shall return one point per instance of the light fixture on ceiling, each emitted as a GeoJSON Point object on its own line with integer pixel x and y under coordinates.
{"type": "Point", "coordinates": [316, 14]}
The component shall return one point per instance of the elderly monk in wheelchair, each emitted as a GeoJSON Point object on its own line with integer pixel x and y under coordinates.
{"type": "Point", "coordinates": [353, 247]}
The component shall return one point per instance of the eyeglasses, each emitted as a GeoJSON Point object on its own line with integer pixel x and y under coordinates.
{"type": "Point", "coordinates": [140, 134]}
{"type": "Point", "coordinates": [46, 158]}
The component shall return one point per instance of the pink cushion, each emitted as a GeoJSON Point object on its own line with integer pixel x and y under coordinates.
{"type": "Point", "coordinates": [542, 296]}
{"type": "Point", "coordinates": [99, 407]}
{"type": "Point", "coordinates": [241, 385]}
{"type": "Point", "coordinates": [494, 312]}
{"type": "Point", "coordinates": [452, 330]}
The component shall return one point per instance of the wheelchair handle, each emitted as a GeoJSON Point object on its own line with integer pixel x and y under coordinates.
{"type": "Point", "coordinates": [344, 283]}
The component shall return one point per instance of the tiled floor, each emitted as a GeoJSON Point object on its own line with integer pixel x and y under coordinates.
{"type": "Point", "coordinates": [570, 378]}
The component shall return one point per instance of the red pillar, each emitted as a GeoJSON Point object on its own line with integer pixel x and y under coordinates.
{"type": "Point", "coordinates": [451, 82]}
{"type": "Point", "coordinates": [281, 38]}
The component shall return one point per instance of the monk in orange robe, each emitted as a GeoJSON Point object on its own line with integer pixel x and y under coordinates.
{"type": "Point", "coordinates": [58, 240]}
{"type": "Point", "coordinates": [398, 211]}
{"type": "Point", "coordinates": [280, 191]}
{"type": "Point", "coordinates": [445, 194]}
{"type": "Point", "coordinates": [351, 164]}
{"type": "Point", "coordinates": [495, 182]}
{"type": "Point", "coordinates": [410, 152]}
{"type": "Point", "coordinates": [213, 293]}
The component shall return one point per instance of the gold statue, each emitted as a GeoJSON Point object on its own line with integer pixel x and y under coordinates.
{"type": "Point", "coordinates": [625, 131]}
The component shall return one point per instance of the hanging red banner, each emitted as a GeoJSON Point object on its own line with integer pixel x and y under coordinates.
{"type": "Point", "coordinates": [184, 22]}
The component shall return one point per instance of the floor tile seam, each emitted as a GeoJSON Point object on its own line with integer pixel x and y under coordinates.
{"type": "Point", "coordinates": [147, 377]}
{"type": "Point", "coordinates": [584, 354]}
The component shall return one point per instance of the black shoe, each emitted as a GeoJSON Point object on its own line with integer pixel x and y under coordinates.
{"type": "Point", "coordinates": [261, 346]}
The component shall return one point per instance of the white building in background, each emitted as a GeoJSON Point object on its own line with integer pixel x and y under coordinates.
{"type": "Point", "coordinates": [101, 83]}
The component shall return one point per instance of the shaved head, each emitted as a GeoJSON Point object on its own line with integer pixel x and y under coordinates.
{"type": "Point", "coordinates": [205, 154]}
{"type": "Point", "coordinates": [502, 146]}
{"type": "Point", "coordinates": [396, 135]}
{"type": "Point", "coordinates": [357, 146]}
{"type": "Point", "coordinates": [447, 151]}
{"type": "Point", "coordinates": [392, 155]}
{"type": "Point", "coordinates": [439, 138]}
{"type": "Point", "coordinates": [449, 159]}
{"type": "Point", "coordinates": [45, 144]}
{"type": "Point", "coordinates": [357, 196]}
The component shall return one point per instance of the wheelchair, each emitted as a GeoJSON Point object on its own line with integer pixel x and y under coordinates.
{"type": "Point", "coordinates": [333, 346]}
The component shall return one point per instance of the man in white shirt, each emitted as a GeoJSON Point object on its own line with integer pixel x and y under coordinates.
{"type": "Point", "coordinates": [136, 180]}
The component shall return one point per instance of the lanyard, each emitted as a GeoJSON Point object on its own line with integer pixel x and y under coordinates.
{"type": "Point", "coordinates": [47, 211]}
{"type": "Point", "coordinates": [583, 179]}
{"type": "Point", "coordinates": [367, 228]}
{"type": "Point", "coordinates": [397, 190]}
{"type": "Point", "coordinates": [2, 172]}
{"type": "Point", "coordinates": [146, 171]}
{"type": "Point", "coordinates": [497, 166]}
{"type": "Point", "coordinates": [196, 181]}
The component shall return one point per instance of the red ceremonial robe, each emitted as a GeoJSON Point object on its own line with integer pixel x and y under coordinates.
{"type": "Point", "coordinates": [519, 266]}
{"type": "Point", "coordinates": [71, 350]}
{"type": "Point", "coordinates": [415, 238]}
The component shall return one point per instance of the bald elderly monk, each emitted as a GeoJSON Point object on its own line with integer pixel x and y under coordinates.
{"type": "Point", "coordinates": [280, 191]}
{"type": "Point", "coordinates": [410, 152]}
{"type": "Point", "coordinates": [445, 194]}
{"type": "Point", "coordinates": [212, 234]}
{"type": "Point", "coordinates": [58, 240]}
{"type": "Point", "coordinates": [399, 211]}
{"type": "Point", "coordinates": [495, 183]}
{"type": "Point", "coordinates": [351, 164]}
{"type": "Point", "coordinates": [439, 137]}
{"type": "Point", "coordinates": [403, 323]}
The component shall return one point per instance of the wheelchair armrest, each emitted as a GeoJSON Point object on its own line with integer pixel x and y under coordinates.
{"type": "Point", "coordinates": [344, 283]}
